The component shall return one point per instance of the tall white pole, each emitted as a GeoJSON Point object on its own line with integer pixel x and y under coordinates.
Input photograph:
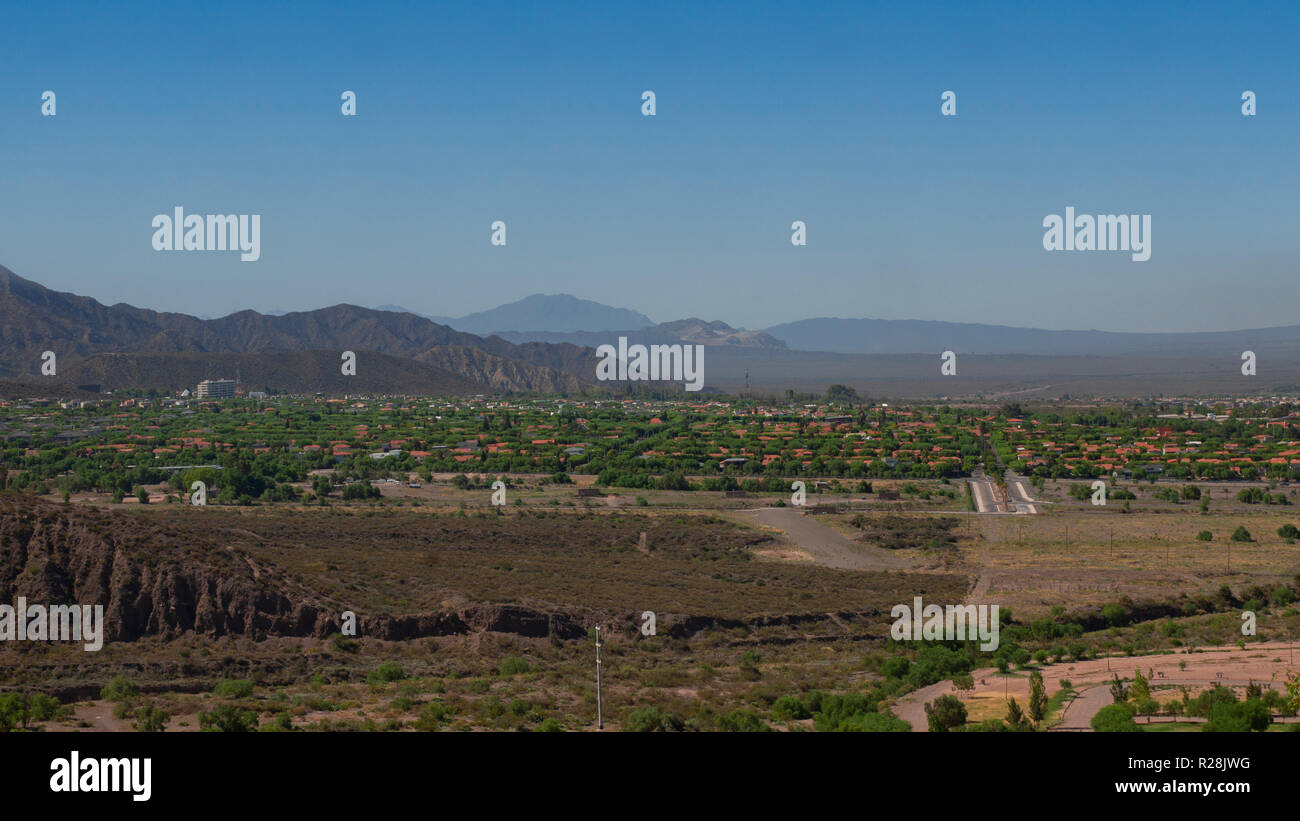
{"type": "Point", "coordinates": [600, 716]}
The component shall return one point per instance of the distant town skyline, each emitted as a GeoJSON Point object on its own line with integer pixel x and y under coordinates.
{"type": "Point", "coordinates": [765, 115]}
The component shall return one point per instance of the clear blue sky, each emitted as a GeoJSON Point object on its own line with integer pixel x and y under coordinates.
{"type": "Point", "coordinates": [767, 113]}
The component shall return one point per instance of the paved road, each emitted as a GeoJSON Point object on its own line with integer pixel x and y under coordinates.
{"type": "Point", "coordinates": [826, 546]}
{"type": "Point", "coordinates": [911, 708]}
{"type": "Point", "coordinates": [981, 487]}
{"type": "Point", "coordinates": [1078, 715]}
{"type": "Point", "coordinates": [989, 499]}
{"type": "Point", "coordinates": [1018, 494]}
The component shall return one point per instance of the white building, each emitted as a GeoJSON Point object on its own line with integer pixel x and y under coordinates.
{"type": "Point", "coordinates": [216, 389]}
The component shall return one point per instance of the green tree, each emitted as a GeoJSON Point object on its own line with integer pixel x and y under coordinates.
{"type": "Point", "coordinates": [1037, 697]}
{"type": "Point", "coordinates": [1240, 717]}
{"type": "Point", "coordinates": [119, 688]}
{"type": "Point", "coordinates": [14, 711]}
{"type": "Point", "coordinates": [1016, 719]}
{"type": "Point", "coordinates": [944, 713]}
{"type": "Point", "coordinates": [227, 719]}
{"type": "Point", "coordinates": [1141, 690]}
{"type": "Point", "coordinates": [1115, 718]}
{"type": "Point", "coordinates": [1118, 692]}
{"type": "Point", "coordinates": [150, 719]}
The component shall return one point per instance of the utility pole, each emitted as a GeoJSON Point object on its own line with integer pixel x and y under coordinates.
{"type": "Point", "coordinates": [600, 715]}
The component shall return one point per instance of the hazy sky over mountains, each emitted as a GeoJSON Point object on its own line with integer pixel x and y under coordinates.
{"type": "Point", "coordinates": [767, 113]}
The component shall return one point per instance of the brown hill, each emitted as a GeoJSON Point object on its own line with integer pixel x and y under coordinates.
{"type": "Point", "coordinates": [80, 330]}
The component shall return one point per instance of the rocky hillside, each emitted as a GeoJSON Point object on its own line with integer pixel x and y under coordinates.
{"type": "Point", "coordinates": [78, 329]}
{"type": "Point", "coordinates": [152, 581]}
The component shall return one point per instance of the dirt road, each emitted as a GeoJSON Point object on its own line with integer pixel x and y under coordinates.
{"type": "Point", "coordinates": [826, 546]}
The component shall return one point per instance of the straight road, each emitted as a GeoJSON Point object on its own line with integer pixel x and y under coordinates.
{"type": "Point", "coordinates": [1018, 494]}
{"type": "Point", "coordinates": [990, 499]}
{"type": "Point", "coordinates": [985, 494]}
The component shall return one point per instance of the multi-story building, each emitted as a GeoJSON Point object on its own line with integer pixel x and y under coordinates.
{"type": "Point", "coordinates": [216, 389]}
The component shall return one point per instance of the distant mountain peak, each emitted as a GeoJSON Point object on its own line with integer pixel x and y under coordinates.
{"type": "Point", "coordinates": [556, 313]}
{"type": "Point", "coordinates": [717, 332]}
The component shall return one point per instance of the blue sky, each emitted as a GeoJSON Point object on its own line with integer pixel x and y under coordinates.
{"type": "Point", "coordinates": [767, 113]}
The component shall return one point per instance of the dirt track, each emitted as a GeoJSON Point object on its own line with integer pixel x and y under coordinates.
{"type": "Point", "coordinates": [826, 546]}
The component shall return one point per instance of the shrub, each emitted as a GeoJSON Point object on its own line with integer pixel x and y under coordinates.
{"type": "Point", "coordinates": [1205, 536]}
{"type": "Point", "coordinates": [433, 716]}
{"type": "Point", "coordinates": [944, 713]}
{"type": "Point", "coordinates": [387, 672]}
{"type": "Point", "coordinates": [895, 667]}
{"type": "Point", "coordinates": [789, 708]}
{"type": "Point", "coordinates": [150, 719]}
{"type": "Point", "coordinates": [1115, 615]}
{"type": "Point", "coordinates": [46, 707]}
{"type": "Point", "coordinates": [233, 688]}
{"type": "Point", "coordinates": [1115, 718]}
{"type": "Point", "coordinates": [1241, 717]}
{"type": "Point", "coordinates": [120, 688]}
{"type": "Point", "coordinates": [1241, 534]}
{"type": "Point", "coordinates": [344, 644]}
{"type": "Point", "coordinates": [651, 720]}
{"type": "Point", "coordinates": [361, 490]}
{"type": "Point", "coordinates": [514, 665]}
{"type": "Point", "coordinates": [227, 719]}
{"type": "Point", "coordinates": [282, 723]}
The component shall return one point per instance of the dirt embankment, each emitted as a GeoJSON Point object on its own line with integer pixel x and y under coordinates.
{"type": "Point", "coordinates": [154, 580]}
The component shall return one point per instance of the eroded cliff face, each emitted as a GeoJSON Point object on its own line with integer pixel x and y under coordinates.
{"type": "Point", "coordinates": [152, 583]}
{"type": "Point", "coordinates": [155, 577]}
{"type": "Point", "coordinates": [147, 583]}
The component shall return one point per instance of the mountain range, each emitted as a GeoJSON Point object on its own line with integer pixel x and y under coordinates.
{"type": "Point", "coordinates": [400, 351]}
{"type": "Point", "coordinates": [563, 318]}
{"type": "Point", "coordinates": [124, 346]}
